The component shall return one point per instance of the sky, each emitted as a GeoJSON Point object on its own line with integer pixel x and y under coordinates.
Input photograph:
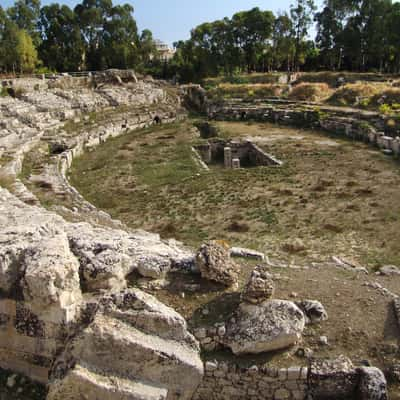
{"type": "Point", "coordinates": [172, 20]}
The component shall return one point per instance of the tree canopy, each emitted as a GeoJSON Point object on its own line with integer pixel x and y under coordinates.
{"type": "Point", "coordinates": [355, 35]}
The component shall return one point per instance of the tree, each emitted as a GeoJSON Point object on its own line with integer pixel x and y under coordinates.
{"type": "Point", "coordinates": [329, 28]}
{"type": "Point", "coordinates": [27, 58]}
{"type": "Point", "coordinates": [147, 46]}
{"type": "Point", "coordinates": [283, 43]}
{"type": "Point", "coordinates": [25, 14]}
{"type": "Point", "coordinates": [17, 48]}
{"type": "Point", "coordinates": [301, 14]}
{"type": "Point", "coordinates": [120, 41]}
{"type": "Point", "coordinates": [252, 29]}
{"type": "Point", "coordinates": [91, 16]}
{"type": "Point", "coordinates": [62, 44]}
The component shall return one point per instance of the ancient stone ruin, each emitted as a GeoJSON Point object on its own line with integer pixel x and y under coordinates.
{"type": "Point", "coordinates": [233, 154]}
{"type": "Point", "coordinates": [69, 316]}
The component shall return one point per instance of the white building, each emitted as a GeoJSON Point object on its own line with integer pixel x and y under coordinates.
{"type": "Point", "coordinates": [164, 52]}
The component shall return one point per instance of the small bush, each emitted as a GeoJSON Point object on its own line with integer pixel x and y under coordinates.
{"type": "Point", "coordinates": [385, 109]}
{"type": "Point", "coordinates": [4, 92]}
{"type": "Point", "coordinates": [240, 227]}
{"type": "Point", "coordinates": [310, 92]}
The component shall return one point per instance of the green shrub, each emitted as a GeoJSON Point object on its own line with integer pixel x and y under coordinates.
{"type": "Point", "coordinates": [4, 92]}
{"type": "Point", "coordinates": [385, 109]}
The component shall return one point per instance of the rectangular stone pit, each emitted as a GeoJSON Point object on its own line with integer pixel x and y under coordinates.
{"type": "Point", "coordinates": [235, 154]}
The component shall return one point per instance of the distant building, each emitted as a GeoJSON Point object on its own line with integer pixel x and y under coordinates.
{"type": "Point", "coordinates": [164, 52]}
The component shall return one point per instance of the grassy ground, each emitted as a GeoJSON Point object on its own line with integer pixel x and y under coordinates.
{"type": "Point", "coordinates": [340, 198]}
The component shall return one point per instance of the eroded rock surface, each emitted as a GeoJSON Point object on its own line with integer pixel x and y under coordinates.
{"type": "Point", "coordinates": [313, 310]}
{"type": "Point", "coordinates": [215, 264]}
{"type": "Point", "coordinates": [139, 341]}
{"type": "Point", "coordinates": [260, 286]}
{"type": "Point", "coordinates": [46, 264]}
{"type": "Point", "coordinates": [268, 326]}
{"type": "Point", "coordinates": [372, 384]}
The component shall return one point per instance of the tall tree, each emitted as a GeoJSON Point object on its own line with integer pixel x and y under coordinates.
{"type": "Point", "coordinates": [25, 13]}
{"type": "Point", "coordinates": [147, 46]}
{"type": "Point", "coordinates": [302, 16]}
{"type": "Point", "coordinates": [26, 53]}
{"type": "Point", "coordinates": [120, 40]}
{"type": "Point", "coordinates": [283, 43]}
{"type": "Point", "coordinates": [252, 29]}
{"type": "Point", "coordinates": [62, 44]}
{"type": "Point", "coordinates": [92, 15]}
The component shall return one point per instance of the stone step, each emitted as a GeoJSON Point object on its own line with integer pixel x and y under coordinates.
{"type": "Point", "coordinates": [117, 348]}
{"type": "Point", "coordinates": [83, 383]}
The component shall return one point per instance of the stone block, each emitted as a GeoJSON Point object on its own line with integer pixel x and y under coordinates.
{"type": "Point", "coordinates": [282, 394]}
{"type": "Point", "coordinates": [293, 373]}
{"type": "Point", "coordinates": [8, 307]}
{"type": "Point", "coordinates": [283, 374]}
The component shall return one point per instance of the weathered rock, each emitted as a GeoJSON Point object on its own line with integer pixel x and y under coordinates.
{"type": "Point", "coordinates": [332, 379]}
{"type": "Point", "coordinates": [246, 253]}
{"type": "Point", "coordinates": [133, 337]}
{"type": "Point", "coordinates": [108, 255]}
{"type": "Point", "coordinates": [144, 348]}
{"type": "Point", "coordinates": [81, 383]}
{"type": "Point", "coordinates": [148, 314]}
{"type": "Point", "coordinates": [21, 228]}
{"type": "Point", "coordinates": [269, 326]}
{"type": "Point", "coordinates": [389, 270]}
{"type": "Point", "coordinates": [51, 279]}
{"type": "Point", "coordinates": [396, 307]}
{"type": "Point", "coordinates": [260, 286]}
{"type": "Point", "coordinates": [313, 310]}
{"type": "Point", "coordinates": [395, 373]}
{"type": "Point", "coordinates": [102, 254]}
{"type": "Point", "coordinates": [372, 384]}
{"type": "Point", "coordinates": [215, 264]}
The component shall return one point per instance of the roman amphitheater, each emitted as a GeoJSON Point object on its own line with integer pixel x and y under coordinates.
{"type": "Point", "coordinates": [157, 243]}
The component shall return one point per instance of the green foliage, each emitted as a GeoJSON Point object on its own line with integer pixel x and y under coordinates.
{"type": "Point", "coordinates": [97, 34]}
{"type": "Point", "coordinates": [385, 109]}
{"type": "Point", "coordinates": [27, 58]}
{"type": "Point", "coordinates": [3, 92]}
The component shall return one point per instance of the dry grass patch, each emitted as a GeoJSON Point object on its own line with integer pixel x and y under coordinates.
{"type": "Point", "coordinates": [353, 94]}
{"type": "Point", "coordinates": [390, 96]}
{"type": "Point", "coordinates": [246, 91]}
{"type": "Point", "coordinates": [315, 92]}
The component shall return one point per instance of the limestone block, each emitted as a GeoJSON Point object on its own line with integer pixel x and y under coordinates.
{"type": "Point", "coordinates": [268, 326]}
{"type": "Point", "coordinates": [51, 277]}
{"type": "Point", "coordinates": [81, 383]}
{"type": "Point", "coordinates": [154, 359]}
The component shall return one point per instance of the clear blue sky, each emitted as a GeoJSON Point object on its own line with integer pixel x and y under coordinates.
{"type": "Point", "coordinates": [172, 20]}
